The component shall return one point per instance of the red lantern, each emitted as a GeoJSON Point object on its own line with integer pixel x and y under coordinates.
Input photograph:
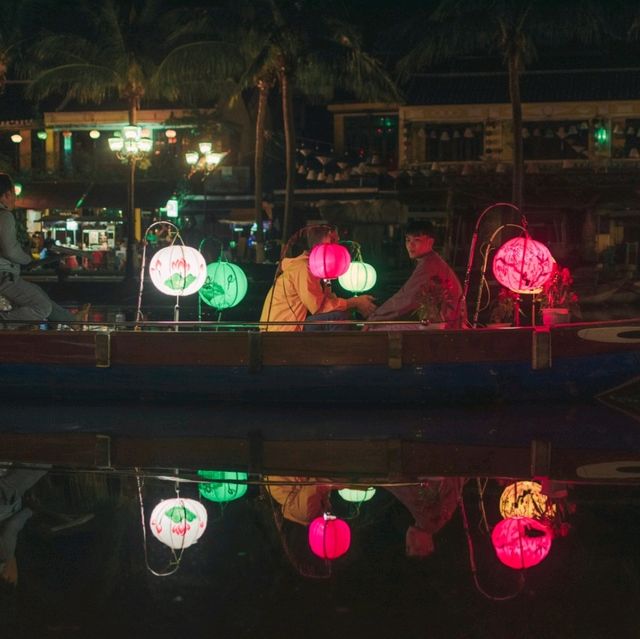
{"type": "Point", "coordinates": [329, 537]}
{"type": "Point", "coordinates": [523, 265]}
{"type": "Point", "coordinates": [521, 542]}
{"type": "Point", "coordinates": [329, 261]}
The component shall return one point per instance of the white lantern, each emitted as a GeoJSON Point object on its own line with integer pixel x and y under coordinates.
{"type": "Point", "coordinates": [359, 277]}
{"type": "Point", "coordinates": [178, 523]}
{"type": "Point", "coordinates": [178, 270]}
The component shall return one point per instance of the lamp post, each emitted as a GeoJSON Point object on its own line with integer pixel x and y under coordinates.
{"type": "Point", "coordinates": [130, 147]}
{"type": "Point", "coordinates": [206, 161]}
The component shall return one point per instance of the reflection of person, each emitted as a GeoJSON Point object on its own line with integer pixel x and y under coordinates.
{"type": "Point", "coordinates": [28, 301]}
{"type": "Point", "coordinates": [430, 268]}
{"type": "Point", "coordinates": [13, 516]}
{"type": "Point", "coordinates": [298, 296]}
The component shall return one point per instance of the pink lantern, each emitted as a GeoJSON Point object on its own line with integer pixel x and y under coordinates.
{"type": "Point", "coordinates": [523, 265]}
{"type": "Point", "coordinates": [521, 542]}
{"type": "Point", "coordinates": [329, 537]}
{"type": "Point", "coordinates": [178, 523]}
{"type": "Point", "coordinates": [329, 261]}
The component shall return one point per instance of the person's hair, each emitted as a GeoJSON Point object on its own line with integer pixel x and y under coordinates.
{"type": "Point", "coordinates": [316, 234]}
{"type": "Point", "coordinates": [6, 183]}
{"type": "Point", "coordinates": [420, 227]}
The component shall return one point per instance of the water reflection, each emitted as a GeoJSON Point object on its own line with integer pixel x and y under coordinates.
{"type": "Point", "coordinates": [420, 561]}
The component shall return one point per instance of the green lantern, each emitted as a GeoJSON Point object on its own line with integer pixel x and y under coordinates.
{"type": "Point", "coordinates": [225, 286]}
{"type": "Point", "coordinates": [359, 277]}
{"type": "Point", "coordinates": [357, 495]}
{"type": "Point", "coordinates": [223, 485]}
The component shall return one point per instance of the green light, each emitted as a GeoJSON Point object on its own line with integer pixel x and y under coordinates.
{"type": "Point", "coordinates": [17, 188]}
{"type": "Point", "coordinates": [42, 135]}
{"type": "Point", "coordinates": [601, 134]}
{"type": "Point", "coordinates": [357, 495]}
{"type": "Point", "coordinates": [222, 490]}
{"type": "Point", "coordinates": [225, 286]}
{"type": "Point", "coordinates": [172, 207]}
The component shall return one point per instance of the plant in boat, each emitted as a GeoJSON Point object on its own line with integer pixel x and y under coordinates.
{"type": "Point", "coordinates": [437, 301]}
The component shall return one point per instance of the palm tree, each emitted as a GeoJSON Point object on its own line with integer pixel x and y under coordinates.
{"type": "Point", "coordinates": [513, 28]}
{"type": "Point", "coordinates": [116, 55]}
{"type": "Point", "coordinates": [293, 45]}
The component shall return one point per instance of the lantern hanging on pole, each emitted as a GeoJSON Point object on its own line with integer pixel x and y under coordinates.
{"type": "Point", "coordinates": [360, 277]}
{"type": "Point", "coordinates": [521, 542]}
{"type": "Point", "coordinates": [329, 537]}
{"type": "Point", "coordinates": [525, 499]}
{"type": "Point", "coordinates": [523, 265]}
{"type": "Point", "coordinates": [178, 523]}
{"type": "Point", "coordinates": [357, 495]}
{"type": "Point", "coordinates": [225, 285]}
{"type": "Point", "coordinates": [222, 485]}
{"type": "Point", "coordinates": [178, 270]}
{"type": "Point", "coordinates": [329, 261]}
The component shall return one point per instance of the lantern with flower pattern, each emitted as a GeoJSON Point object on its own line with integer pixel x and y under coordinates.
{"type": "Point", "coordinates": [178, 270]}
{"type": "Point", "coordinates": [178, 523]}
{"type": "Point", "coordinates": [222, 485]}
{"type": "Point", "coordinates": [523, 265]}
{"type": "Point", "coordinates": [526, 499]}
{"type": "Point", "coordinates": [225, 285]}
{"type": "Point", "coordinates": [521, 542]}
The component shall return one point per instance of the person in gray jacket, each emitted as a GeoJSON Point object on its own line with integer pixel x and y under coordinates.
{"type": "Point", "coordinates": [29, 303]}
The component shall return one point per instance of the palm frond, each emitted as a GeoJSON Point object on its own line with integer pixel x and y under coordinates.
{"type": "Point", "coordinates": [84, 82]}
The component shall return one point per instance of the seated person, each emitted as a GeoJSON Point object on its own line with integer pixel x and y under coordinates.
{"type": "Point", "coordinates": [433, 291]}
{"type": "Point", "coordinates": [28, 301]}
{"type": "Point", "coordinates": [298, 296]}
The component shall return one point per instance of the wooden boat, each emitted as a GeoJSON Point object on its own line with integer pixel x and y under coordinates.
{"type": "Point", "coordinates": [517, 402]}
{"type": "Point", "coordinates": [569, 362]}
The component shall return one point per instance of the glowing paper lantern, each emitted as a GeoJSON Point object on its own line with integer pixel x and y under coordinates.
{"type": "Point", "coordinates": [222, 490]}
{"type": "Point", "coordinates": [178, 270]}
{"type": "Point", "coordinates": [521, 542]}
{"type": "Point", "coordinates": [359, 277]}
{"type": "Point", "coordinates": [525, 499]}
{"type": "Point", "coordinates": [178, 523]}
{"type": "Point", "coordinates": [523, 265]}
{"type": "Point", "coordinates": [357, 495]}
{"type": "Point", "coordinates": [329, 537]}
{"type": "Point", "coordinates": [225, 285]}
{"type": "Point", "coordinates": [329, 261]}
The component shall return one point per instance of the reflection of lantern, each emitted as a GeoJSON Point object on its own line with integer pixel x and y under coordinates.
{"type": "Point", "coordinates": [359, 277]}
{"type": "Point", "coordinates": [225, 286]}
{"type": "Point", "coordinates": [178, 270]}
{"type": "Point", "coordinates": [357, 495]}
{"type": "Point", "coordinates": [329, 260]}
{"type": "Point", "coordinates": [220, 489]}
{"type": "Point", "coordinates": [525, 499]}
{"type": "Point", "coordinates": [523, 265]}
{"type": "Point", "coordinates": [521, 542]}
{"type": "Point", "coordinates": [329, 537]}
{"type": "Point", "coordinates": [178, 523]}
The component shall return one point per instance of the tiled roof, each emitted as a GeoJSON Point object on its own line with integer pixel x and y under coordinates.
{"type": "Point", "coordinates": [536, 86]}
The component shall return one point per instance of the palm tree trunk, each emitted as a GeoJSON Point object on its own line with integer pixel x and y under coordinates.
{"type": "Point", "coordinates": [263, 94]}
{"type": "Point", "coordinates": [290, 152]}
{"type": "Point", "coordinates": [516, 114]}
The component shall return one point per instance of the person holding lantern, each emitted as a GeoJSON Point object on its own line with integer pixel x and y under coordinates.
{"type": "Point", "coordinates": [299, 296]}
{"type": "Point", "coordinates": [432, 285]}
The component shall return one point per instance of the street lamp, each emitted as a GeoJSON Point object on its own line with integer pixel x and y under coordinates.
{"type": "Point", "coordinates": [130, 147]}
{"type": "Point", "coordinates": [206, 161]}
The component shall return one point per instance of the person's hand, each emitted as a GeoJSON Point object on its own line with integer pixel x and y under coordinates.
{"type": "Point", "coordinates": [363, 304]}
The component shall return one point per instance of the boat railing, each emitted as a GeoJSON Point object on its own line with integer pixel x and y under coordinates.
{"type": "Point", "coordinates": [217, 326]}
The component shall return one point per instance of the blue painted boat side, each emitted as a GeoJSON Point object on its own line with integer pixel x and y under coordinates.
{"type": "Point", "coordinates": [570, 378]}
